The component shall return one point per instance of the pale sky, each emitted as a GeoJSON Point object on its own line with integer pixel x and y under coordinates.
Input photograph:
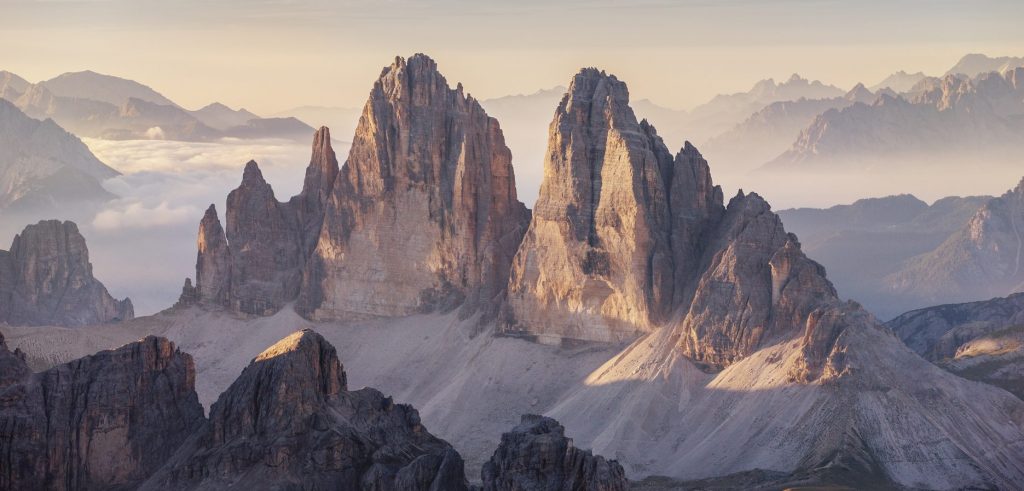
{"type": "Point", "coordinates": [272, 55]}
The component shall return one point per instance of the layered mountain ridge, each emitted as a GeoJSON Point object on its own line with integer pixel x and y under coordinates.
{"type": "Point", "coordinates": [95, 105]}
{"type": "Point", "coordinates": [41, 165]}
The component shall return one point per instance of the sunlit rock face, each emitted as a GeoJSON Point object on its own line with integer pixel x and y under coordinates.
{"type": "Point", "coordinates": [598, 261]}
{"type": "Point", "coordinates": [424, 214]}
{"type": "Point", "coordinates": [46, 279]}
{"type": "Point", "coordinates": [536, 454]}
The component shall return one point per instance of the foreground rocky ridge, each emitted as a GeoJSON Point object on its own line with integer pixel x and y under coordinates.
{"type": "Point", "coordinates": [46, 279]}
{"type": "Point", "coordinates": [129, 419]}
{"type": "Point", "coordinates": [104, 421]}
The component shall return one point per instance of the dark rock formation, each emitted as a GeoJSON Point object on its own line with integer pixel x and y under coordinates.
{"type": "Point", "coordinates": [256, 265]}
{"type": "Point", "coordinates": [537, 456]}
{"type": "Point", "coordinates": [424, 213]}
{"type": "Point", "coordinates": [101, 422]}
{"type": "Point", "coordinates": [46, 279]}
{"type": "Point", "coordinates": [290, 421]}
{"type": "Point", "coordinates": [265, 243]}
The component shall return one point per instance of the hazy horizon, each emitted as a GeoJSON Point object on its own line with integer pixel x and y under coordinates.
{"type": "Point", "coordinates": [275, 55]}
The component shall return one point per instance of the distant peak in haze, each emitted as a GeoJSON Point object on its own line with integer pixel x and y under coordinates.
{"type": "Point", "coordinates": [900, 81]}
{"type": "Point", "coordinates": [106, 88]}
{"type": "Point", "coordinates": [975, 64]}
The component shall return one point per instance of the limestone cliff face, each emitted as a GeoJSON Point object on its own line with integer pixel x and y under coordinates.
{"type": "Point", "coordinates": [290, 420]}
{"type": "Point", "coordinates": [597, 262]}
{"type": "Point", "coordinates": [537, 455]}
{"type": "Point", "coordinates": [254, 265]}
{"type": "Point", "coordinates": [46, 279]}
{"type": "Point", "coordinates": [101, 422]}
{"type": "Point", "coordinates": [266, 247]}
{"type": "Point", "coordinates": [626, 239]}
{"type": "Point", "coordinates": [424, 213]}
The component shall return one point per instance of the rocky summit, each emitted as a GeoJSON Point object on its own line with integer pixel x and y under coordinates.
{"type": "Point", "coordinates": [46, 279]}
{"type": "Point", "coordinates": [626, 238]}
{"type": "Point", "coordinates": [289, 420]}
{"type": "Point", "coordinates": [536, 455]}
{"type": "Point", "coordinates": [106, 421]}
{"type": "Point", "coordinates": [255, 264]}
{"type": "Point", "coordinates": [424, 214]}
{"type": "Point", "coordinates": [422, 217]}
{"type": "Point", "coordinates": [597, 262]}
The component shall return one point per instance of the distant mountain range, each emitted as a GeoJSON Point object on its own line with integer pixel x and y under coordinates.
{"type": "Point", "coordinates": [862, 243]}
{"type": "Point", "coordinates": [976, 64]}
{"type": "Point", "coordinates": [41, 165]}
{"type": "Point", "coordinates": [983, 258]}
{"type": "Point", "coordinates": [94, 105]}
{"type": "Point", "coordinates": [948, 117]}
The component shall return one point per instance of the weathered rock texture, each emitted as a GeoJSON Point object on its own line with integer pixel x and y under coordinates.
{"type": "Point", "coordinates": [537, 456]}
{"type": "Point", "coordinates": [424, 213]}
{"type": "Point", "coordinates": [626, 238]}
{"type": "Point", "coordinates": [422, 217]}
{"type": "Point", "coordinates": [254, 265]}
{"type": "Point", "coordinates": [46, 279]}
{"type": "Point", "coordinates": [289, 421]}
{"type": "Point", "coordinates": [101, 422]}
{"type": "Point", "coordinates": [598, 261]}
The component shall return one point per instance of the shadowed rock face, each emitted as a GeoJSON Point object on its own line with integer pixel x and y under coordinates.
{"type": "Point", "coordinates": [46, 279]}
{"type": "Point", "coordinates": [290, 421]}
{"type": "Point", "coordinates": [254, 265]}
{"type": "Point", "coordinates": [104, 421]}
{"type": "Point", "coordinates": [424, 213]}
{"type": "Point", "coordinates": [537, 456]}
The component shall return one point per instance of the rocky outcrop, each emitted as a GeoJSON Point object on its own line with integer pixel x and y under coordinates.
{"type": "Point", "coordinates": [254, 265]}
{"type": "Point", "coordinates": [101, 422]}
{"type": "Point", "coordinates": [289, 420]}
{"type": "Point", "coordinates": [597, 262]}
{"type": "Point", "coordinates": [213, 264]}
{"type": "Point", "coordinates": [46, 279]}
{"type": "Point", "coordinates": [625, 239]}
{"type": "Point", "coordinates": [422, 217]}
{"type": "Point", "coordinates": [424, 214]}
{"type": "Point", "coordinates": [536, 455]}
